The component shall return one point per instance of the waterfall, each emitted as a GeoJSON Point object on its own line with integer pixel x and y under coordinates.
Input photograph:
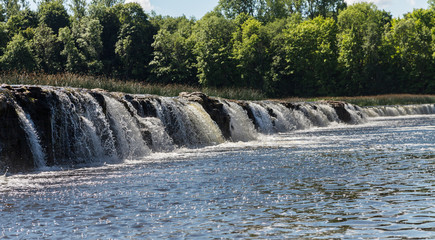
{"type": "Point", "coordinates": [356, 113]}
{"type": "Point", "coordinates": [131, 143]}
{"type": "Point", "coordinates": [32, 136]}
{"type": "Point", "coordinates": [392, 111]}
{"type": "Point", "coordinates": [283, 120]}
{"type": "Point", "coordinates": [264, 121]}
{"type": "Point", "coordinates": [67, 126]}
{"type": "Point", "coordinates": [187, 123]}
{"type": "Point", "coordinates": [80, 129]}
{"type": "Point", "coordinates": [241, 127]}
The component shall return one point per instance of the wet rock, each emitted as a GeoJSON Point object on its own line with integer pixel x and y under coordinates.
{"type": "Point", "coordinates": [249, 112]}
{"type": "Point", "coordinates": [37, 102]}
{"type": "Point", "coordinates": [214, 108]}
{"type": "Point", "coordinates": [148, 108]}
{"type": "Point", "coordinates": [15, 153]}
{"type": "Point", "coordinates": [290, 105]}
{"type": "Point", "coordinates": [143, 105]}
{"type": "Point", "coordinates": [341, 111]}
{"type": "Point", "coordinates": [100, 99]}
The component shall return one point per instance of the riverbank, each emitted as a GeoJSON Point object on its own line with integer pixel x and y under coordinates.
{"type": "Point", "coordinates": [171, 90]}
{"type": "Point", "coordinates": [117, 85]}
{"type": "Point", "coordinates": [45, 126]}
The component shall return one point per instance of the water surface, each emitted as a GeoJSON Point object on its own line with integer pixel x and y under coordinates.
{"type": "Point", "coordinates": [374, 180]}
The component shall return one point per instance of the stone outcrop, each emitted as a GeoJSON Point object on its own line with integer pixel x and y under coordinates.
{"type": "Point", "coordinates": [62, 118]}
{"type": "Point", "coordinates": [15, 154]}
{"type": "Point", "coordinates": [341, 111]}
{"type": "Point", "coordinates": [214, 108]}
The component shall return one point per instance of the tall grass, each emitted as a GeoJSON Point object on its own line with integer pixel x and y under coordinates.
{"type": "Point", "coordinates": [378, 100]}
{"type": "Point", "coordinates": [134, 87]}
{"type": "Point", "coordinates": [389, 99]}
{"type": "Point", "coordinates": [116, 85]}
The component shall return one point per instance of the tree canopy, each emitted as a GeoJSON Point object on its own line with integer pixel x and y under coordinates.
{"type": "Point", "coordinates": [281, 47]}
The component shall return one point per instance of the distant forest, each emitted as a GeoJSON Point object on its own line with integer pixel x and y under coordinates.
{"type": "Point", "coordinates": [283, 48]}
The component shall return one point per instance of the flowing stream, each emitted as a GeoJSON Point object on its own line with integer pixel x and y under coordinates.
{"type": "Point", "coordinates": [282, 172]}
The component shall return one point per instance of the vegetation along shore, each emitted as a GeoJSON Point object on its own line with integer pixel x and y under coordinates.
{"type": "Point", "coordinates": [252, 49]}
{"type": "Point", "coordinates": [114, 85]}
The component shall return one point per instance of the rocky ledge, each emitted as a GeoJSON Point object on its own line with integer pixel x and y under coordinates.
{"type": "Point", "coordinates": [42, 104]}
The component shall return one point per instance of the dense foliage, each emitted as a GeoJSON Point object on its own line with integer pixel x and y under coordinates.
{"type": "Point", "coordinates": [280, 47]}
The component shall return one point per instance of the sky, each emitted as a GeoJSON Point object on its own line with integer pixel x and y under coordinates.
{"type": "Point", "coordinates": [197, 8]}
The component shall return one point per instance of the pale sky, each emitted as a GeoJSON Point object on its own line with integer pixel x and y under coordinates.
{"type": "Point", "coordinates": [197, 8]}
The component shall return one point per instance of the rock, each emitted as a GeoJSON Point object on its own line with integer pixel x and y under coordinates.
{"type": "Point", "coordinates": [341, 111]}
{"type": "Point", "coordinates": [15, 154]}
{"type": "Point", "coordinates": [249, 112]}
{"type": "Point", "coordinates": [194, 96]}
{"type": "Point", "coordinates": [37, 102]}
{"type": "Point", "coordinates": [214, 108]}
{"type": "Point", "coordinates": [6, 86]}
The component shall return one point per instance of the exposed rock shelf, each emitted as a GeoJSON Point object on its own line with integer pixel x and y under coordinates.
{"type": "Point", "coordinates": [47, 126]}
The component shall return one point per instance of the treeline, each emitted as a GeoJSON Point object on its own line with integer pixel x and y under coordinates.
{"type": "Point", "coordinates": [281, 47]}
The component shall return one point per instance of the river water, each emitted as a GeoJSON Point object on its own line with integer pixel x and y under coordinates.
{"type": "Point", "coordinates": [374, 180]}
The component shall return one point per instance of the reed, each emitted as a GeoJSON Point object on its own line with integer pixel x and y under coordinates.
{"type": "Point", "coordinates": [135, 87]}
{"type": "Point", "coordinates": [116, 85]}
{"type": "Point", "coordinates": [389, 99]}
{"type": "Point", "coordinates": [378, 100]}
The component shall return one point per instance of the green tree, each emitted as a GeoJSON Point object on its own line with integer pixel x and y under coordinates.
{"type": "Point", "coordinates": [134, 40]}
{"type": "Point", "coordinates": [21, 21]}
{"type": "Point", "coordinates": [10, 8]}
{"type": "Point", "coordinates": [4, 37]}
{"type": "Point", "coordinates": [83, 46]}
{"type": "Point", "coordinates": [75, 60]}
{"type": "Point", "coordinates": [106, 3]}
{"type": "Point", "coordinates": [278, 81]}
{"type": "Point", "coordinates": [250, 53]}
{"type": "Point", "coordinates": [78, 7]}
{"type": "Point", "coordinates": [232, 8]}
{"type": "Point", "coordinates": [174, 59]}
{"type": "Point", "coordinates": [270, 10]}
{"type": "Point", "coordinates": [110, 22]}
{"type": "Point", "coordinates": [53, 14]}
{"type": "Point", "coordinates": [18, 55]}
{"type": "Point", "coordinates": [311, 54]}
{"type": "Point", "coordinates": [46, 48]}
{"type": "Point", "coordinates": [212, 36]}
{"type": "Point", "coordinates": [325, 8]}
{"type": "Point", "coordinates": [413, 41]}
{"type": "Point", "coordinates": [361, 28]}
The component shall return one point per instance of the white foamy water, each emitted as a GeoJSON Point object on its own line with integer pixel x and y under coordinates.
{"type": "Point", "coordinates": [32, 136]}
{"type": "Point", "coordinates": [367, 181]}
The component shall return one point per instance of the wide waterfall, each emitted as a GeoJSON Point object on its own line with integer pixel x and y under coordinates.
{"type": "Point", "coordinates": [392, 111]}
{"type": "Point", "coordinates": [52, 126]}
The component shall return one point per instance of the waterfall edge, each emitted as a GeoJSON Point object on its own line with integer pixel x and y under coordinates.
{"type": "Point", "coordinates": [56, 126]}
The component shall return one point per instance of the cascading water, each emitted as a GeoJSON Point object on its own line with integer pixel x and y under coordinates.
{"type": "Point", "coordinates": [283, 119]}
{"type": "Point", "coordinates": [32, 136]}
{"type": "Point", "coordinates": [207, 130]}
{"type": "Point", "coordinates": [263, 120]}
{"type": "Point", "coordinates": [75, 126]}
{"type": "Point", "coordinates": [391, 111]}
{"type": "Point", "coordinates": [241, 127]}
{"type": "Point", "coordinates": [80, 129]}
{"type": "Point", "coordinates": [187, 122]}
{"type": "Point", "coordinates": [127, 132]}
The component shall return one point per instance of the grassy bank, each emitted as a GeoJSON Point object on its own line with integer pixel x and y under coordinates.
{"type": "Point", "coordinates": [114, 85]}
{"type": "Point", "coordinates": [389, 99]}
{"type": "Point", "coordinates": [378, 100]}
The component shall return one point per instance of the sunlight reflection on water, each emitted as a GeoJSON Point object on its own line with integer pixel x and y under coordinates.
{"type": "Point", "coordinates": [370, 181]}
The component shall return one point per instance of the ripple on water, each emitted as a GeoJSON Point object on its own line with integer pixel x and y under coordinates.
{"type": "Point", "coordinates": [370, 181]}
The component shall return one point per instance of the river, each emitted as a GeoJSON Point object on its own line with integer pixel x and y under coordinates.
{"type": "Point", "coordinates": [372, 180]}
